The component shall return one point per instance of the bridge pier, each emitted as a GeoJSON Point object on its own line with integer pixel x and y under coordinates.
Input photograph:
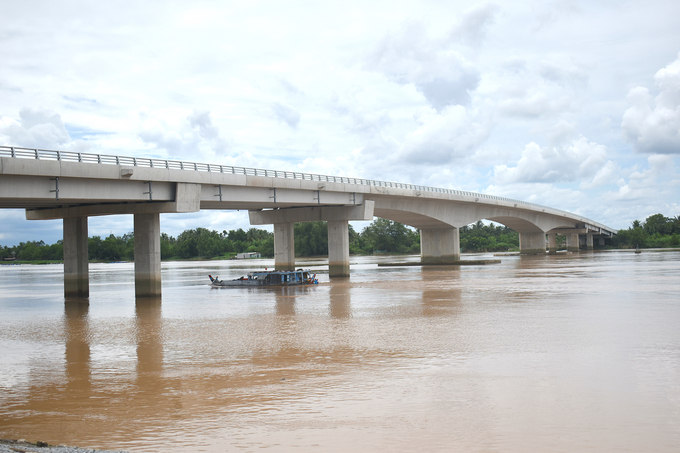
{"type": "Point", "coordinates": [76, 263]}
{"type": "Point", "coordinates": [552, 243]}
{"type": "Point", "coordinates": [440, 245]}
{"type": "Point", "coordinates": [589, 241]}
{"type": "Point", "coordinates": [338, 248]}
{"type": "Point", "coordinates": [284, 246]}
{"type": "Point", "coordinates": [338, 232]}
{"type": "Point", "coordinates": [147, 255]}
{"type": "Point", "coordinates": [572, 242]}
{"type": "Point", "coordinates": [532, 243]}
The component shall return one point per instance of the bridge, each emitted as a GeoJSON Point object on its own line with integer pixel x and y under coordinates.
{"type": "Point", "coordinates": [74, 186]}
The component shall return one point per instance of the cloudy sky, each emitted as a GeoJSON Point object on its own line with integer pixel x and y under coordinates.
{"type": "Point", "coordinates": [570, 104]}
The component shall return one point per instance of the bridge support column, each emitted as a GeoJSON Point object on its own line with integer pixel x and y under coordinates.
{"type": "Point", "coordinates": [338, 232]}
{"type": "Point", "coordinates": [552, 243]}
{"type": "Point", "coordinates": [440, 245]}
{"type": "Point", "coordinates": [284, 246]}
{"type": "Point", "coordinates": [338, 248]}
{"type": "Point", "coordinates": [589, 241]}
{"type": "Point", "coordinates": [147, 255]}
{"type": "Point", "coordinates": [572, 242]}
{"type": "Point", "coordinates": [532, 243]}
{"type": "Point", "coordinates": [601, 241]}
{"type": "Point", "coordinates": [76, 276]}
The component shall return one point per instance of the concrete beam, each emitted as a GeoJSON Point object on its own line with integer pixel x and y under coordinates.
{"type": "Point", "coordinates": [76, 275]}
{"type": "Point", "coordinates": [568, 231]}
{"type": "Point", "coordinates": [147, 255]}
{"type": "Point", "coordinates": [338, 248]}
{"type": "Point", "coordinates": [440, 245]}
{"type": "Point", "coordinates": [187, 199]}
{"type": "Point", "coordinates": [284, 246]}
{"type": "Point", "coordinates": [532, 243]}
{"type": "Point", "coordinates": [312, 214]}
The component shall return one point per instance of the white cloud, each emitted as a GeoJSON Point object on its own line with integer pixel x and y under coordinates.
{"type": "Point", "coordinates": [605, 175]}
{"type": "Point", "coordinates": [535, 105]}
{"type": "Point", "coordinates": [179, 135]}
{"type": "Point", "coordinates": [434, 66]}
{"type": "Point", "coordinates": [445, 138]}
{"type": "Point", "coordinates": [576, 161]}
{"type": "Point", "coordinates": [474, 23]}
{"type": "Point", "coordinates": [36, 128]}
{"type": "Point", "coordinates": [431, 93]}
{"type": "Point", "coordinates": [287, 114]}
{"type": "Point", "coordinates": [544, 194]}
{"type": "Point", "coordinates": [652, 125]}
{"type": "Point", "coordinates": [644, 191]}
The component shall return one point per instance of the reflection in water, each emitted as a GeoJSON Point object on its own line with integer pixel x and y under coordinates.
{"type": "Point", "coordinates": [77, 351]}
{"type": "Point", "coordinates": [441, 291]}
{"type": "Point", "coordinates": [149, 338]}
{"type": "Point", "coordinates": [340, 300]}
{"type": "Point", "coordinates": [285, 300]}
{"type": "Point", "coordinates": [507, 357]}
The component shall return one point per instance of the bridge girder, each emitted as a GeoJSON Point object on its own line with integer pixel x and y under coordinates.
{"type": "Point", "coordinates": [430, 214]}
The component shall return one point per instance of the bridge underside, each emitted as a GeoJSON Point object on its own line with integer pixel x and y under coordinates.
{"type": "Point", "coordinates": [439, 226]}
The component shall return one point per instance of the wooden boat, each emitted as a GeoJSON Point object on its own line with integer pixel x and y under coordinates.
{"type": "Point", "coordinates": [270, 278]}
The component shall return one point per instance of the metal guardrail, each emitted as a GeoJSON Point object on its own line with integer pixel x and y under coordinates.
{"type": "Point", "coordinates": [149, 162]}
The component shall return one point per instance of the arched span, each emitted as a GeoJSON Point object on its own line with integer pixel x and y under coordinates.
{"type": "Point", "coordinates": [431, 214]}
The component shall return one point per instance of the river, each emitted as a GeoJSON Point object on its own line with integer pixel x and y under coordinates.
{"type": "Point", "coordinates": [564, 353]}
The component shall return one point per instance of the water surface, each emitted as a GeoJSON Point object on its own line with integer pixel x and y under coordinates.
{"type": "Point", "coordinates": [573, 352]}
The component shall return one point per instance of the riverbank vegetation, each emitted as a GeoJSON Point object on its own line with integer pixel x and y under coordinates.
{"type": "Point", "coordinates": [656, 231]}
{"type": "Point", "coordinates": [382, 236]}
{"type": "Point", "coordinates": [479, 237]}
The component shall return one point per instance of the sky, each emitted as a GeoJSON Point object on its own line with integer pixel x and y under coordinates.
{"type": "Point", "coordinates": [569, 104]}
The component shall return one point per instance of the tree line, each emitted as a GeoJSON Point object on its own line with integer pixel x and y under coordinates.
{"type": "Point", "coordinates": [479, 237]}
{"type": "Point", "coordinates": [311, 239]}
{"type": "Point", "coordinates": [656, 231]}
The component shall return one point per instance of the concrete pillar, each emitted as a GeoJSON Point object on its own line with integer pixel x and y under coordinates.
{"type": "Point", "coordinates": [572, 242]}
{"type": "Point", "coordinates": [284, 246]}
{"type": "Point", "coordinates": [552, 243]}
{"type": "Point", "coordinates": [601, 241]}
{"type": "Point", "coordinates": [338, 248]}
{"type": "Point", "coordinates": [147, 255]}
{"type": "Point", "coordinates": [440, 245]}
{"type": "Point", "coordinates": [532, 243]}
{"type": "Point", "coordinates": [589, 241]}
{"type": "Point", "coordinates": [76, 277]}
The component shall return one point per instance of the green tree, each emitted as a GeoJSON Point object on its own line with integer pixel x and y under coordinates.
{"type": "Point", "coordinates": [658, 224]}
{"type": "Point", "coordinates": [311, 239]}
{"type": "Point", "coordinates": [478, 237]}
{"type": "Point", "coordinates": [389, 236]}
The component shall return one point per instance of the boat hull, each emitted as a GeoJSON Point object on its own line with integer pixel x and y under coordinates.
{"type": "Point", "coordinates": [274, 278]}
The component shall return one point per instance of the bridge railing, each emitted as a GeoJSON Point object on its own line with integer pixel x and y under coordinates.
{"type": "Point", "coordinates": [150, 162]}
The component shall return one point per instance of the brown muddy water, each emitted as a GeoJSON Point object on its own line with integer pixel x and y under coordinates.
{"type": "Point", "coordinates": [574, 352]}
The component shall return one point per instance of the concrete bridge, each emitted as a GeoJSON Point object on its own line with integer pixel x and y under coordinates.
{"type": "Point", "coordinates": [74, 186]}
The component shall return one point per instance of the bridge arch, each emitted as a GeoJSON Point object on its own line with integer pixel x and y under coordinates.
{"type": "Point", "coordinates": [439, 224]}
{"type": "Point", "coordinates": [428, 214]}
